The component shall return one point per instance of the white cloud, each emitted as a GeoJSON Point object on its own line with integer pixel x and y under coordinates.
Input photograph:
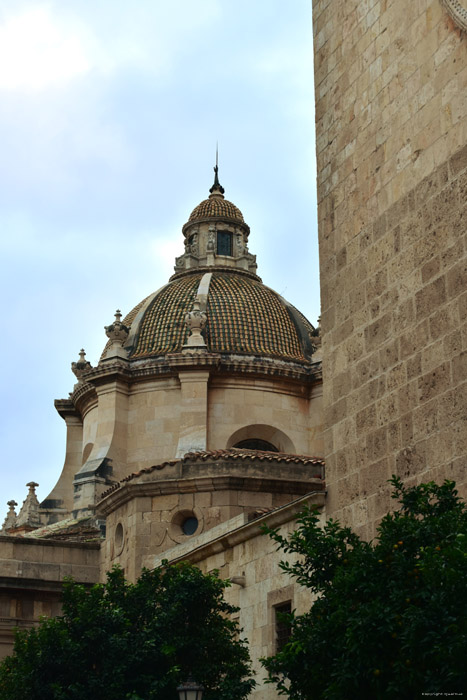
{"type": "Point", "coordinates": [49, 44]}
{"type": "Point", "coordinates": [36, 51]}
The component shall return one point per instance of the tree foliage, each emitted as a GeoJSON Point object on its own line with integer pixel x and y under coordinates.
{"type": "Point", "coordinates": [137, 641]}
{"type": "Point", "coordinates": [390, 617]}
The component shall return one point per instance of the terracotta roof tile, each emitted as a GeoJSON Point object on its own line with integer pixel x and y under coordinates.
{"type": "Point", "coordinates": [134, 475]}
{"type": "Point", "coordinates": [244, 317]}
{"type": "Point", "coordinates": [163, 328]}
{"type": "Point", "coordinates": [216, 207]}
{"type": "Point", "coordinates": [260, 455]}
{"type": "Point", "coordinates": [231, 453]}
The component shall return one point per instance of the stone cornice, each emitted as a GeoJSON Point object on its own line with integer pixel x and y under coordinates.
{"type": "Point", "coordinates": [170, 365]}
{"type": "Point", "coordinates": [271, 367]}
{"type": "Point", "coordinates": [202, 269]}
{"type": "Point", "coordinates": [43, 542]}
{"type": "Point", "coordinates": [83, 397]}
{"type": "Point", "coordinates": [109, 369]}
{"type": "Point", "coordinates": [66, 408]}
{"type": "Point", "coordinates": [161, 487]}
{"type": "Point", "coordinates": [215, 220]}
{"type": "Point", "coordinates": [457, 12]}
{"type": "Point", "coordinates": [81, 390]}
{"type": "Point", "coordinates": [29, 584]}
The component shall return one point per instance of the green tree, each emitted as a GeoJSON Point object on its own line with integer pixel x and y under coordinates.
{"type": "Point", "coordinates": [390, 617]}
{"type": "Point", "coordinates": [136, 641]}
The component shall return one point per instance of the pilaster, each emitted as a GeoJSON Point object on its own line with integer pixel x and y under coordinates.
{"type": "Point", "coordinates": [193, 412]}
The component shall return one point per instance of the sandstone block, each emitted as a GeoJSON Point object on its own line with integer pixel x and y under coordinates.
{"type": "Point", "coordinates": [458, 161]}
{"type": "Point", "coordinates": [376, 444]}
{"type": "Point", "coordinates": [457, 279]}
{"type": "Point", "coordinates": [435, 382]}
{"type": "Point", "coordinates": [430, 297]}
{"type": "Point", "coordinates": [459, 369]}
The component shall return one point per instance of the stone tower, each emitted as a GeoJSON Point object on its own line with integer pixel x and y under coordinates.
{"type": "Point", "coordinates": [391, 119]}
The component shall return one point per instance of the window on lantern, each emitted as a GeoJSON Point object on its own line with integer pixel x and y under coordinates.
{"type": "Point", "coordinates": [224, 243]}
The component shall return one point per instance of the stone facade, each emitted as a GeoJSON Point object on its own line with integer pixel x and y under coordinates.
{"type": "Point", "coordinates": [202, 417]}
{"type": "Point", "coordinates": [241, 552]}
{"type": "Point", "coordinates": [146, 512]}
{"type": "Point", "coordinates": [391, 79]}
{"type": "Point", "coordinates": [32, 571]}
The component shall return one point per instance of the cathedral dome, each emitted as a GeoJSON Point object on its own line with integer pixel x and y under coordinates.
{"type": "Point", "coordinates": [243, 317]}
{"type": "Point", "coordinates": [215, 207]}
{"type": "Point", "coordinates": [215, 302]}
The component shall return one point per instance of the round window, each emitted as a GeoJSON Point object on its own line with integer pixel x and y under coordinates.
{"type": "Point", "coordinates": [119, 538]}
{"type": "Point", "coordinates": [184, 523]}
{"type": "Point", "coordinates": [190, 525]}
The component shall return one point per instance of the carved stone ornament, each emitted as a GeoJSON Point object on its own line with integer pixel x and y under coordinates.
{"type": "Point", "coordinates": [80, 367]}
{"type": "Point", "coordinates": [458, 11]}
{"type": "Point", "coordinates": [211, 239]}
{"type": "Point", "coordinates": [194, 248]}
{"type": "Point", "coordinates": [10, 520]}
{"type": "Point", "coordinates": [196, 320]}
{"type": "Point", "coordinates": [117, 332]}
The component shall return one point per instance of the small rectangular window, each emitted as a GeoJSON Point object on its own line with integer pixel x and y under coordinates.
{"type": "Point", "coordinates": [224, 243]}
{"type": "Point", "coordinates": [283, 629]}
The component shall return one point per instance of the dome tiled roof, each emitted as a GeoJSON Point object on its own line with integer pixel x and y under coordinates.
{"type": "Point", "coordinates": [216, 207]}
{"type": "Point", "coordinates": [243, 317]}
{"type": "Point", "coordinates": [162, 328]}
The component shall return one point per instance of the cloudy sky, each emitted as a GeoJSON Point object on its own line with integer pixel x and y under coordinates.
{"type": "Point", "coordinates": [109, 116]}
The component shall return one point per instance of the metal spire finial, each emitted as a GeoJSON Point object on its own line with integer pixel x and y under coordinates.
{"type": "Point", "coordinates": [217, 187]}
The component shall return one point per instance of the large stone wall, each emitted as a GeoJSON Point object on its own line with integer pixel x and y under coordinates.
{"type": "Point", "coordinates": [391, 114]}
{"type": "Point", "coordinates": [31, 576]}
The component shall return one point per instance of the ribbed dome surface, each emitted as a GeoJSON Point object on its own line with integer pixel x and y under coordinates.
{"type": "Point", "coordinates": [162, 328]}
{"type": "Point", "coordinates": [243, 317]}
{"type": "Point", "coordinates": [216, 207]}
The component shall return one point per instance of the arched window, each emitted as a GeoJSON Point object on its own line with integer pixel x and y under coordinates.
{"type": "Point", "coordinates": [259, 436]}
{"type": "Point", "coordinates": [257, 444]}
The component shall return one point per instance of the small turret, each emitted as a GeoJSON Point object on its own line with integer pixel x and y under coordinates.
{"type": "Point", "coordinates": [28, 518]}
{"type": "Point", "coordinates": [11, 518]}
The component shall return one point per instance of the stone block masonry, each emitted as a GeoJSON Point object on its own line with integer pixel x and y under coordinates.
{"type": "Point", "coordinates": [391, 120]}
